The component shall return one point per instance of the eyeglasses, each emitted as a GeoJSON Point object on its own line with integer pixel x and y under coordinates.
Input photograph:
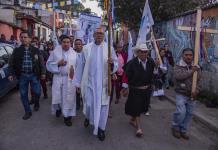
{"type": "Point", "coordinates": [24, 37]}
{"type": "Point", "coordinates": [99, 33]}
{"type": "Point", "coordinates": [143, 51]}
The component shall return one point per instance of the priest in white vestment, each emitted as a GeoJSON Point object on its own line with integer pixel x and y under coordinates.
{"type": "Point", "coordinates": [63, 63]}
{"type": "Point", "coordinates": [94, 85]}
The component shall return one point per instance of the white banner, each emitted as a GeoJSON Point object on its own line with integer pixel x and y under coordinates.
{"type": "Point", "coordinates": [88, 24]}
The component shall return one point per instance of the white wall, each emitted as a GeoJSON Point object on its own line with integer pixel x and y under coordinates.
{"type": "Point", "coordinates": [7, 15]}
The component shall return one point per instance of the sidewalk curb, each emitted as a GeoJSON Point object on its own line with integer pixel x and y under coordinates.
{"type": "Point", "coordinates": [196, 116]}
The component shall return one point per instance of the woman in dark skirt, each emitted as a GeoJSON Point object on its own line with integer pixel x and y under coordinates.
{"type": "Point", "coordinates": [139, 73]}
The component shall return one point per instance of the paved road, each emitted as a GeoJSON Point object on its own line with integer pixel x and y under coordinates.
{"type": "Point", "coordinates": [45, 132]}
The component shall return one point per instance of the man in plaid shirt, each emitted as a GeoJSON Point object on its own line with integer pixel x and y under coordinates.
{"type": "Point", "coordinates": [28, 66]}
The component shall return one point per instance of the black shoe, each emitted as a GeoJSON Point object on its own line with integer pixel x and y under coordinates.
{"type": "Point", "coordinates": [176, 133]}
{"type": "Point", "coordinates": [27, 115]}
{"type": "Point", "coordinates": [184, 136]}
{"type": "Point", "coordinates": [45, 96]}
{"type": "Point", "coordinates": [58, 113]}
{"type": "Point", "coordinates": [31, 102]}
{"type": "Point", "coordinates": [77, 107]}
{"type": "Point", "coordinates": [86, 123]}
{"type": "Point", "coordinates": [68, 121]}
{"type": "Point", "coordinates": [101, 135]}
{"type": "Point", "coordinates": [36, 107]}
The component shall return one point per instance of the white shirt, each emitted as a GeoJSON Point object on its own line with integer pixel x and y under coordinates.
{"type": "Point", "coordinates": [144, 63]}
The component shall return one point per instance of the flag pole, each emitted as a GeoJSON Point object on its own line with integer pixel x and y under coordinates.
{"type": "Point", "coordinates": [109, 46]}
{"type": "Point", "coordinates": [155, 46]}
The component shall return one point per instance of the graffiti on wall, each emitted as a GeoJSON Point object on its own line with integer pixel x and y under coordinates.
{"type": "Point", "coordinates": [178, 40]}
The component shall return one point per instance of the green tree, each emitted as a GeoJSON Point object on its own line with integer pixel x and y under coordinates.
{"type": "Point", "coordinates": [130, 11]}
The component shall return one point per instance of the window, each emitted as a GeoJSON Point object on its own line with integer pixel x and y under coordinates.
{"type": "Point", "coordinates": [9, 49]}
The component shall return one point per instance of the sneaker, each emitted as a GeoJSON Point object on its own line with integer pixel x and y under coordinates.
{"type": "Point", "coordinates": [147, 114]}
{"type": "Point", "coordinates": [27, 115]}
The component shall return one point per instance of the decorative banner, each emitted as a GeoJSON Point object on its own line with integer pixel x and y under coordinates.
{"type": "Point", "coordinates": [29, 4]}
{"type": "Point", "coordinates": [69, 2]}
{"type": "Point", "coordinates": [49, 5]}
{"type": "Point", "coordinates": [88, 24]}
{"type": "Point", "coordinates": [57, 10]}
{"type": "Point", "coordinates": [62, 3]}
{"type": "Point", "coordinates": [55, 4]}
{"type": "Point", "coordinates": [69, 12]}
{"type": "Point", "coordinates": [50, 10]}
{"type": "Point", "coordinates": [44, 13]}
{"type": "Point", "coordinates": [43, 6]}
{"type": "Point", "coordinates": [76, 2]}
{"type": "Point", "coordinates": [37, 6]}
{"type": "Point", "coordinates": [63, 11]}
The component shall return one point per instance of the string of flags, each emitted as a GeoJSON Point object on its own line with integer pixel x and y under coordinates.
{"type": "Point", "coordinates": [49, 6]}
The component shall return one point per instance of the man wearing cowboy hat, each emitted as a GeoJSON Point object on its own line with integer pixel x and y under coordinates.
{"type": "Point", "coordinates": [139, 72]}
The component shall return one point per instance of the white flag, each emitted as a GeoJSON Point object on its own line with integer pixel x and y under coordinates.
{"type": "Point", "coordinates": [146, 23]}
{"type": "Point", "coordinates": [130, 52]}
{"type": "Point", "coordinates": [69, 3]}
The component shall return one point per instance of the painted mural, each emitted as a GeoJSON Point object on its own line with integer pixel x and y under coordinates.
{"type": "Point", "coordinates": [178, 40]}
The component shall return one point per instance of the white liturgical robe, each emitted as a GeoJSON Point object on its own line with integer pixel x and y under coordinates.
{"type": "Point", "coordinates": [63, 87]}
{"type": "Point", "coordinates": [94, 85]}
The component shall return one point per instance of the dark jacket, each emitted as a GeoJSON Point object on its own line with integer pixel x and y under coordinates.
{"type": "Point", "coordinates": [136, 74]}
{"type": "Point", "coordinates": [169, 56]}
{"type": "Point", "coordinates": [16, 61]}
{"type": "Point", "coordinates": [183, 78]}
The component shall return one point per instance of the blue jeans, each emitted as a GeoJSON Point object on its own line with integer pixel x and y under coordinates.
{"type": "Point", "coordinates": [24, 81]}
{"type": "Point", "coordinates": [183, 114]}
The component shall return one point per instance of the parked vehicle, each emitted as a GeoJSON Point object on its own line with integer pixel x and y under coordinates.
{"type": "Point", "coordinates": [5, 85]}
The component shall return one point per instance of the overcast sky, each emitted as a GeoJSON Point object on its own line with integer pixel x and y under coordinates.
{"type": "Point", "coordinates": [93, 5]}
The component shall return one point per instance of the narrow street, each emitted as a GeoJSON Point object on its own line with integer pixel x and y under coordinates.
{"type": "Point", "coordinates": [45, 132]}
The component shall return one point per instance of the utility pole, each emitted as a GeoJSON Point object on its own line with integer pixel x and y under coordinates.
{"type": "Point", "coordinates": [54, 38]}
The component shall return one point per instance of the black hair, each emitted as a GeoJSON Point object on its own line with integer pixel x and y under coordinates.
{"type": "Point", "coordinates": [162, 49]}
{"type": "Point", "coordinates": [35, 38]}
{"type": "Point", "coordinates": [62, 37]}
{"type": "Point", "coordinates": [78, 40]}
{"type": "Point", "coordinates": [50, 43]}
{"type": "Point", "coordinates": [187, 49]}
{"type": "Point", "coordinates": [25, 32]}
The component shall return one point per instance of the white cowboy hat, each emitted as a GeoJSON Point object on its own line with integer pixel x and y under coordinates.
{"type": "Point", "coordinates": [141, 47]}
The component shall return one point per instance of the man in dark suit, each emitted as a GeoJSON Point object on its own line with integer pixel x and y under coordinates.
{"type": "Point", "coordinates": [28, 66]}
{"type": "Point", "coordinates": [139, 72]}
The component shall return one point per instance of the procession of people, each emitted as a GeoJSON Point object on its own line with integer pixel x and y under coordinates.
{"type": "Point", "coordinates": [90, 74]}
{"type": "Point", "coordinates": [79, 78]}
